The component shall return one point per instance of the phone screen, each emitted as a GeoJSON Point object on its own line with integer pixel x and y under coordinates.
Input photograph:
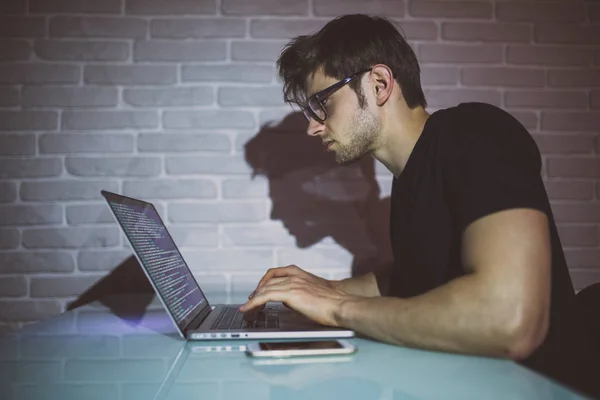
{"type": "Point", "coordinates": [326, 344]}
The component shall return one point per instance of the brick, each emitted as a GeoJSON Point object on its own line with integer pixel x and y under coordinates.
{"type": "Point", "coordinates": [230, 260]}
{"type": "Point", "coordinates": [595, 98]}
{"type": "Point", "coordinates": [67, 143]}
{"type": "Point", "coordinates": [75, 6]}
{"type": "Point", "coordinates": [270, 235]}
{"type": "Point", "coordinates": [28, 120]}
{"type": "Point", "coordinates": [9, 239]}
{"type": "Point", "coordinates": [231, 73]}
{"type": "Point", "coordinates": [69, 96]}
{"type": "Point", "coordinates": [8, 192]}
{"type": "Point", "coordinates": [17, 145]}
{"type": "Point", "coordinates": [23, 73]}
{"type": "Point", "coordinates": [315, 258]}
{"type": "Point", "coordinates": [104, 260]}
{"type": "Point", "coordinates": [389, 8]}
{"type": "Point", "coordinates": [169, 97]}
{"type": "Point", "coordinates": [245, 283]}
{"type": "Point", "coordinates": [213, 119]}
{"type": "Point", "coordinates": [65, 190]}
{"type": "Point", "coordinates": [36, 262]}
{"type": "Point", "coordinates": [14, 168]}
{"type": "Point", "coordinates": [462, 54]}
{"type": "Point", "coordinates": [536, 55]}
{"type": "Point", "coordinates": [15, 50]}
{"type": "Point", "coordinates": [417, 30]}
{"type": "Point", "coordinates": [264, 7]}
{"type": "Point", "coordinates": [573, 167]}
{"type": "Point", "coordinates": [26, 27]}
{"type": "Point", "coordinates": [88, 214]}
{"type": "Point", "coordinates": [98, 27]}
{"type": "Point", "coordinates": [29, 371]}
{"type": "Point", "coordinates": [195, 28]}
{"type": "Point", "coordinates": [501, 76]}
{"type": "Point", "coordinates": [94, 120]}
{"type": "Point", "coordinates": [453, 9]}
{"type": "Point", "coordinates": [13, 286]}
{"type": "Point", "coordinates": [196, 237]}
{"type": "Point", "coordinates": [571, 120]}
{"type": "Point", "coordinates": [577, 77]}
{"type": "Point", "coordinates": [256, 50]}
{"type": "Point", "coordinates": [527, 118]}
{"type": "Point", "coordinates": [130, 74]}
{"type": "Point", "coordinates": [30, 215]}
{"type": "Point", "coordinates": [573, 235]}
{"type": "Point", "coordinates": [565, 144]}
{"type": "Point", "coordinates": [9, 96]}
{"type": "Point", "coordinates": [283, 28]}
{"type": "Point", "coordinates": [182, 165]}
{"type": "Point", "coordinates": [217, 212]}
{"type": "Point", "coordinates": [567, 34]}
{"type": "Point", "coordinates": [258, 188]}
{"type": "Point", "coordinates": [64, 286]}
{"type": "Point", "coordinates": [546, 99]}
{"type": "Point", "coordinates": [486, 32]}
{"type": "Point", "coordinates": [274, 117]}
{"type": "Point", "coordinates": [431, 75]}
{"type": "Point", "coordinates": [70, 238]}
{"type": "Point", "coordinates": [452, 97]}
{"type": "Point", "coordinates": [113, 166]}
{"type": "Point", "coordinates": [584, 277]}
{"type": "Point", "coordinates": [74, 50]}
{"type": "Point", "coordinates": [31, 310]}
{"type": "Point", "coordinates": [236, 96]}
{"type": "Point", "coordinates": [171, 189]}
{"type": "Point", "coordinates": [183, 142]}
{"type": "Point", "coordinates": [170, 7]}
{"type": "Point", "coordinates": [539, 11]}
{"type": "Point", "coordinates": [13, 7]}
{"type": "Point", "coordinates": [179, 51]}
{"type": "Point", "coordinates": [577, 213]}
{"type": "Point", "coordinates": [582, 258]}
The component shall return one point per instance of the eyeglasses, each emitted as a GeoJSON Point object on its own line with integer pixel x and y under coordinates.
{"type": "Point", "coordinates": [315, 106]}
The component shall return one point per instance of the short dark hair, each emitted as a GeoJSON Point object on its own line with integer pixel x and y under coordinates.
{"type": "Point", "coordinates": [344, 46]}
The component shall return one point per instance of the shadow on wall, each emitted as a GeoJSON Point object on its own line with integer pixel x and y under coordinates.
{"type": "Point", "coordinates": [314, 197]}
{"type": "Point", "coordinates": [125, 291]}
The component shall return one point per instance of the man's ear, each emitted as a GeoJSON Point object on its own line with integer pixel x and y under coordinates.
{"type": "Point", "coordinates": [383, 83]}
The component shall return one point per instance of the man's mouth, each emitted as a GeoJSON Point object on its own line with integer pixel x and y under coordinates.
{"type": "Point", "coordinates": [328, 144]}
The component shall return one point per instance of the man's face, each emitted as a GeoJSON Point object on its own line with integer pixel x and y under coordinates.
{"type": "Point", "coordinates": [349, 130]}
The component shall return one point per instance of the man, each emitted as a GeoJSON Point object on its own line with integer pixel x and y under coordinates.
{"type": "Point", "coordinates": [478, 264]}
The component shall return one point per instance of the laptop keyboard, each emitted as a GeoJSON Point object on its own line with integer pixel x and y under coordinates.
{"type": "Point", "coordinates": [230, 318]}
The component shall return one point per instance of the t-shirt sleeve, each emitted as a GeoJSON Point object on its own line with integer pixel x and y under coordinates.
{"type": "Point", "coordinates": [495, 166]}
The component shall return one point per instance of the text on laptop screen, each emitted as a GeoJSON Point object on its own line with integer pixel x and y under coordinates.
{"type": "Point", "coordinates": [161, 259]}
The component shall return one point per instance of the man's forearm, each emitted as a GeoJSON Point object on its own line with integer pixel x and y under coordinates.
{"type": "Point", "coordinates": [364, 285]}
{"type": "Point", "coordinates": [457, 317]}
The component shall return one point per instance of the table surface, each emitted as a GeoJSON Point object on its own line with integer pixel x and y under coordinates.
{"type": "Point", "coordinates": [91, 353]}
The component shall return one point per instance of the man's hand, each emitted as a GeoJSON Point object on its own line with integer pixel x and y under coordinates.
{"type": "Point", "coordinates": [314, 297]}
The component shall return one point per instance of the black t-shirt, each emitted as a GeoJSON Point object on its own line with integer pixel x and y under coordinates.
{"type": "Point", "coordinates": [471, 161]}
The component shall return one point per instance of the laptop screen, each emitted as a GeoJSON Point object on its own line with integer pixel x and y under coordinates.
{"type": "Point", "coordinates": [160, 257]}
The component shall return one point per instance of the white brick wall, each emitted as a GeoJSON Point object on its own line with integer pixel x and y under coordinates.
{"type": "Point", "coordinates": [156, 99]}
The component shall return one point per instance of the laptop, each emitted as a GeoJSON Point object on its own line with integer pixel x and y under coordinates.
{"type": "Point", "coordinates": [193, 316]}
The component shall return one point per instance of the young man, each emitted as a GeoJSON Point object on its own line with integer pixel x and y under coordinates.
{"type": "Point", "coordinates": [478, 265]}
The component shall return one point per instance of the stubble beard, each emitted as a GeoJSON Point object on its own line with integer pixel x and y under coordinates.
{"type": "Point", "coordinates": [362, 134]}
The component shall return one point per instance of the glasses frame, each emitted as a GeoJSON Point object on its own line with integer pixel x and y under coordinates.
{"type": "Point", "coordinates": [317, 99]}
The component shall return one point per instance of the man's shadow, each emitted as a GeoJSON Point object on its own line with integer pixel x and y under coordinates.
{"type": "Point", "coordinates": [315, 198]}
{"type": "Point", "coordinates": [126, 291]}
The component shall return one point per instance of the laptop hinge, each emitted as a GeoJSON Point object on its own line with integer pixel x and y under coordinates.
{"type": "Point", "coordinates": [198, 319]}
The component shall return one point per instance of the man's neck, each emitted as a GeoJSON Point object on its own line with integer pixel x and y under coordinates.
{"type": "Point", "coordinates": [400, 133]}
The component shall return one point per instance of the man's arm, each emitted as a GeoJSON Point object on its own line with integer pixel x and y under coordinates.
{"type": "Point", "coordinates": [500, 308]}
{"type": "Point", "coordinates": [365, 285]}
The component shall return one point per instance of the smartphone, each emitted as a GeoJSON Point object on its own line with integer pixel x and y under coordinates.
{"type": "Point", "coordinates": [300, 348]}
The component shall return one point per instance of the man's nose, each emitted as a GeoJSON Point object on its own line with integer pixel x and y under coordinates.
{"type": "Point", "coordinates": [314, 127]}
